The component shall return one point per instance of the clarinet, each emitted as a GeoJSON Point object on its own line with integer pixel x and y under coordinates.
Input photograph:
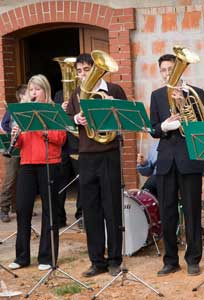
{"type": "Point", "coordinates": [8, 152]}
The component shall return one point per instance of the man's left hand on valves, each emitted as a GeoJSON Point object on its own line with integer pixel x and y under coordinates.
{"type": "Point", "coordinates": [64, 105]}
{"type": "Point", "coordinates": [80, 119]}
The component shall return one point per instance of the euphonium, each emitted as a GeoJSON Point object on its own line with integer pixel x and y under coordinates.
{"type": "Point", "coordinates": [103, 63]}
{"type": "Point", "coordinates": [69, 76]}
{"type": "Point", "coordinates": [190, 108]}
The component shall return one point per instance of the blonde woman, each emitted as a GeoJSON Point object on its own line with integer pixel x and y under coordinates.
{"type": "Point", "coordinates": [33, 178]}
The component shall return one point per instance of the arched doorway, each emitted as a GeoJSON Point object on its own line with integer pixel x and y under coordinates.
{"type": "Point", "coordinates": [38, 48]}
{"type": "Point", "coordinates": [33, 18]}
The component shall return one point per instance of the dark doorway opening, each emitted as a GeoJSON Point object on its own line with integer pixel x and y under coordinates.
{"type": "Point", "coordinates": [42, 47]}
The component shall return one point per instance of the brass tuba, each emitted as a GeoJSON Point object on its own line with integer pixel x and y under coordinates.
{"type": "Point", "coordinates": [103, 63]}
{"type": "Point", "coordinates": [190, 108]}
{"type": "Point", "coordinates": [69, 76]}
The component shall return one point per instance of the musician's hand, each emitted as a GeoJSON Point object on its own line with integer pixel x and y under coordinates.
{"type": "Point", "coordinates": [80, 119]}
{"type": "Point", "coordinates": [173, 117]}
{"type": "Point", "coordinates": [141, 159]}
{"type": "Point", "coordinates": [104, 95]}
{"type": "Point", "coordinates": [177, 94]}
{"type": "Point", "coordinates": [15, 130]}
{"type": "Point", "coordinates": [64, 105]}
{"type": "Point", "coordinates": [109, 97]}
{"type": "Point", "coordinates": [171, 123]}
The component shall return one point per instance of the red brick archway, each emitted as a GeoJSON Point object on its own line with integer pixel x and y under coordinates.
{"type": "Point", "coordinates": [118, 22]}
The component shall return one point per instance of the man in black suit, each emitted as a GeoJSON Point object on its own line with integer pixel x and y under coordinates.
{"type": "Point", "coordinates": [176, 173]}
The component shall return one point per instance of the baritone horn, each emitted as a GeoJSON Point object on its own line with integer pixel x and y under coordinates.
{"type": "Point", "coordinates": [190, 108]}
{"type": "Point", "coordinates": [103, 63]}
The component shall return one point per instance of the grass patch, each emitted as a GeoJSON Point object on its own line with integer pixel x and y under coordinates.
{"type": "Point", "coordinates": [68, 259]}
{"type": "Point", "coordinates": [83, 252]}
{"type": "Point", "coordinates": [68, 289]}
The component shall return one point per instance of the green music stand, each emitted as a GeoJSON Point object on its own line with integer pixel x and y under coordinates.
{"type": "Point", "coordinates": [121, 116]}
{"type": "Point", "coordinates": [113, 115]}
{"type": "Point", "coordinates": [194, 133]}
{"type": "Point", "coordinates": [38, 117]}
{"type": "Point", "coordinates": [5, 142]}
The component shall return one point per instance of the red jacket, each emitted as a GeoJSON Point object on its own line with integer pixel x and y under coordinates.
{"type": "Point", "coordinates": [33, 149]}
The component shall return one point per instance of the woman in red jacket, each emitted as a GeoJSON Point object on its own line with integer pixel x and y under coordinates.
{"type": "Point", "coordinates": [33, 179]}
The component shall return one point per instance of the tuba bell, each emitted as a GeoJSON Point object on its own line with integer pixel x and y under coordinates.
{"type": "Point", "coordinates": [190, 108]}
{"type": "Point", "coordinates": [103, 63]}
{"type": "Point", "coordinates": [69, 76]}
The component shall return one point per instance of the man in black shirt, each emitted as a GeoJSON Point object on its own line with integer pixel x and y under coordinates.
{"type": "Point", "coordinates": [100, 183]}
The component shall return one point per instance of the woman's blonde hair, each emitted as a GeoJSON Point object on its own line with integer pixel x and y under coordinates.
{"type": "Point", "coordinates": [42, 82]}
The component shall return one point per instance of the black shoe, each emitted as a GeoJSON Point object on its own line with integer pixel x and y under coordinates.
{"type": "Point", "coordinates": [193, 270]}
{"type": "Point", "coordinates": [4, 216]}
{"type": "Point", "coordinates": [114, 270]}
{"type": "Point", "coordinates": [167, 269]}
{"type": "Point", "coordinates": [93, 271]}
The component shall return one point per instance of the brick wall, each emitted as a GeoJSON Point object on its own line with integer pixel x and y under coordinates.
{"type": "Point", "coordinates": [118, 22]}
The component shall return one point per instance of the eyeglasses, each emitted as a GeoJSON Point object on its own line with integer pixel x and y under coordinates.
{"type": "Point", "coordinates": [166, 70]}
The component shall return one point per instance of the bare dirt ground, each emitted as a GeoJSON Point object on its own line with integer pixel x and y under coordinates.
{"type": "Point", "coordinates": [73, 259]}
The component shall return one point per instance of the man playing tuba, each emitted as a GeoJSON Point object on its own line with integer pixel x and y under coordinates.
{"type": "Point", "coordinates": [100, 182]}
{"type": "Point", "coordinates": [176, 173]}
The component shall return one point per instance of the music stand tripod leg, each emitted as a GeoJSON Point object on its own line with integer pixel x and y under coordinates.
{"type": "Point", "coordinates": [14, 233]}
{"type": "Point", "coordinates": [8, 237]}
{"type": "Point", "coordinates": [155, 242]}
{"type": "Point", "coordinates": [197, 287]}
{"type": "Point", "coordinates": [37, 234]}
{"type": "Point", "coordinates": [124, 271]}
{"type": "Point", "coordinates": [79, 219]}
{"type": "Point", "coordinates": [70, 226]}
{"type": "Point", "coordinates": [53, 267]}
{"type": "Point", "coordinates": [7, 270]}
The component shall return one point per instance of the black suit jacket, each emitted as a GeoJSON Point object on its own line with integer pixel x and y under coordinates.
{"type": "Point", "coordinates": [172, 146]}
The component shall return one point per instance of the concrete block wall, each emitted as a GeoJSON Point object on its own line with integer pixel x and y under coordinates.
{"type": "Point", "coordinates": [158, 29]}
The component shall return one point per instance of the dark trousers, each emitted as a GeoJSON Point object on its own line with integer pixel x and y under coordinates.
{"type": "Point", "coordinates": [100, 190]}
{"type": "Point", "coordinates": [190, 187]}
{"type": "Point", "coordinates": [69, 169]}
{"type": "Point", "coordinates": [33, 178]}
{"type": "Point", "coordinates": [8, 192]}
